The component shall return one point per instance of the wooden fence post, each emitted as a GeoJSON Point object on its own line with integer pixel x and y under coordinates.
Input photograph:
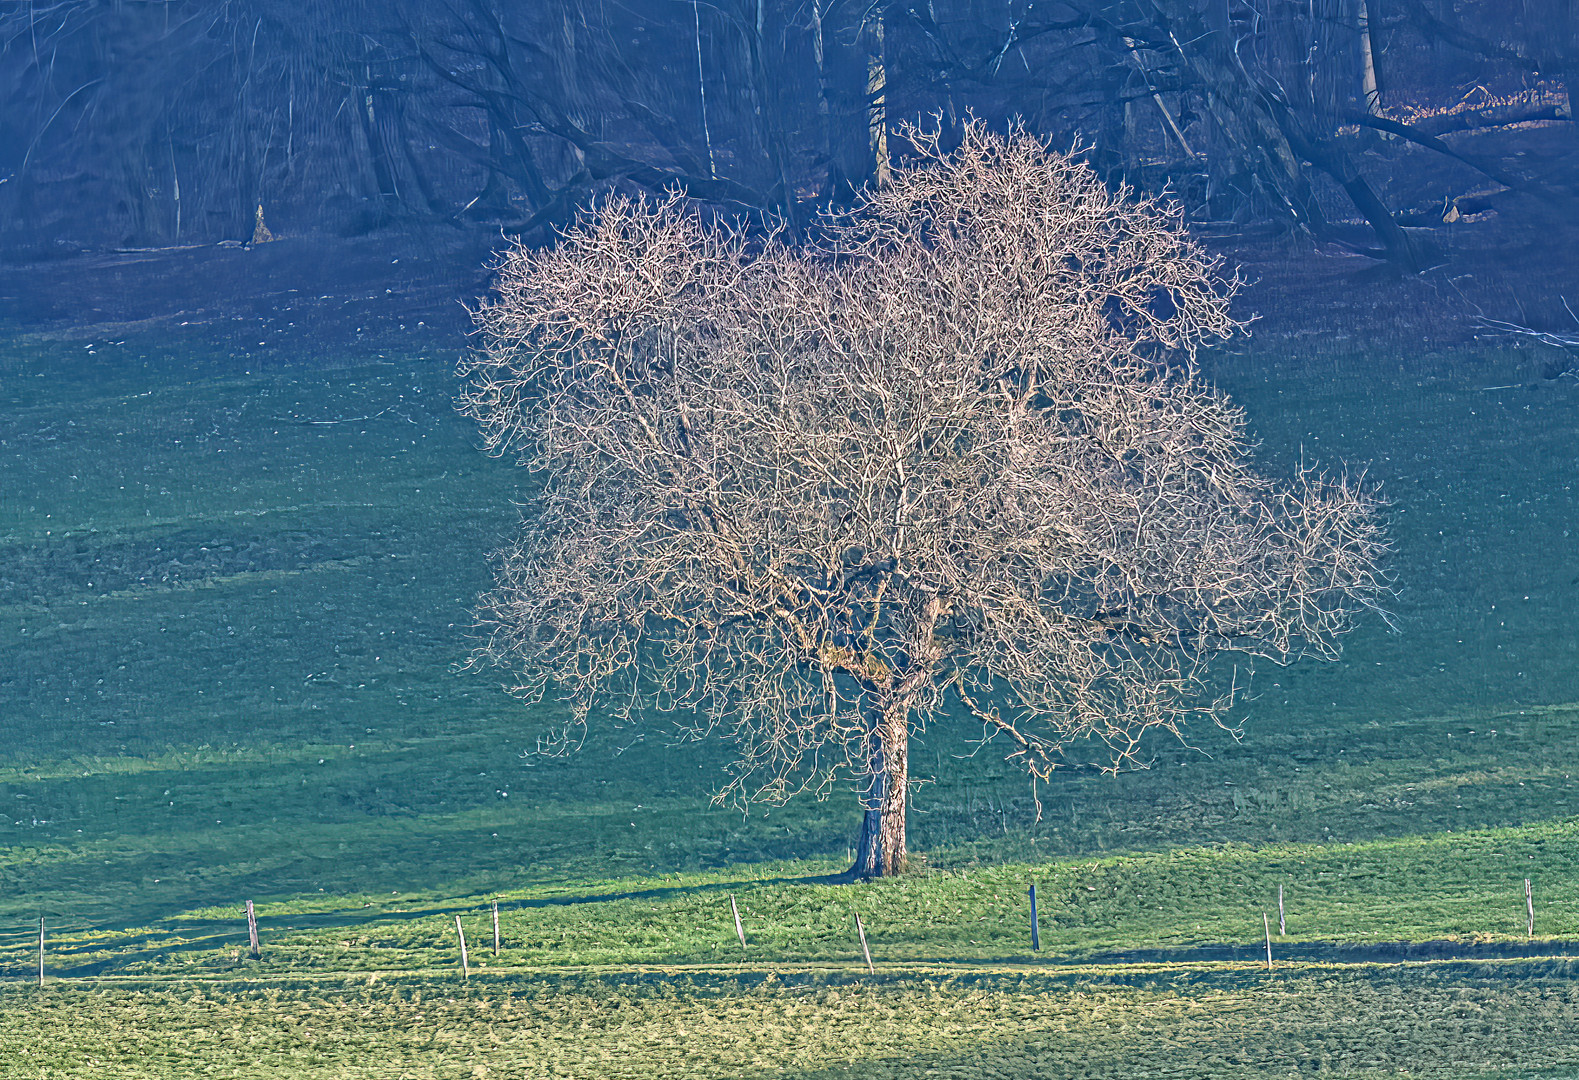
{"type": "Point", "coordinates": [1282, 924]}
{"type": "Point", "coordinates": [861, 930]}
{"type": "Point", "coordinates": [254, 948]}
{"type": "Point", "coordinates": [41, 951]}
{"type": "Point", "coordinates": [496, 928]}
{"type": "Point", "coordinates": [740, 931]}
{"type": "Point", "coordinates": [1529, 907]}
{"type": "Point", "coordinates": [1036, 934]}
{"type": "Point", "coordinates": [461, 934]}
{"type": "Point", "coordinates": [1266, 925]}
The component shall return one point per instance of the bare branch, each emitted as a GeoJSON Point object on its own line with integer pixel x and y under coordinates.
{"type": "Point", "coordinates": [793, 497]}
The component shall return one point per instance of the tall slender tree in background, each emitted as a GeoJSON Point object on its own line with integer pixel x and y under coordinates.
{"type": "Point", "coordinates": [158, 123]}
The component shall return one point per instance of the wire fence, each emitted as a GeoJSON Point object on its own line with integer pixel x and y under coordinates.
{"type": "Point", "coordinates": [58, 945]}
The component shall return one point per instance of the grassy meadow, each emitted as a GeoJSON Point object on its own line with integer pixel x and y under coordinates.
{"type": "Point", "coordinates": [233, 607]}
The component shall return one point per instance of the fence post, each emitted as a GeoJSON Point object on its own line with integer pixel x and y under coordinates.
{"type": "Point", "coordinates": [740, 931]}
{"type": "Point", "coordinates": [1266, 925]}
{"type": "Point", "coordinates": [1529, 907]}
{"type": "Point", "coordinates": [461, 934]}
{"type": "Point", "coordinates": [41, 951]}
{"type": "Point", "coordinates": [1282, 924]}
{"type": "Point", "coordinates": [496, 927]}
{"type": "Point", "coordinates": [254, 948]}
{"type": "Point", "coordinates": [1036, 934]}
{"type": "Point", "coordinates": [861, 930]}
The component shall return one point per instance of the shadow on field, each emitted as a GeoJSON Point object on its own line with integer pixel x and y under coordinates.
{"type": "Point", "coordinates": [198, 935]}
{"type": "Point", "coordinates": [1324, 952]}
{"type": "Point", "coordinates": [1396, 1021]}
{"type": "Point", "coordinates": [173, 937]}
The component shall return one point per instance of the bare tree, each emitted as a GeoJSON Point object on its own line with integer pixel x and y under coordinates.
{"type": "Point", "coordinates": [810, 498]}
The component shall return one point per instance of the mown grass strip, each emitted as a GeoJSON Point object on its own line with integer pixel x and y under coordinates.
{"type": "Point", "coordinates": [1357, 1022]}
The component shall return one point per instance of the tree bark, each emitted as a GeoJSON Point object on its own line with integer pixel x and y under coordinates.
{"type": "Point", "coordinates": [840, 57]}
{"type": "Point", "coordinates": [877, 103]}
{"type": "Point", "coordinates": [1368, 83]}
{"type": "Point", "coordinates": [880, 851]}
{"type": "Point", "coordinates": [1239, 106]}
{"type": "Point", "coordinates": [767, 104]}
{"type": "Point", "coordinates": [1332, 160]}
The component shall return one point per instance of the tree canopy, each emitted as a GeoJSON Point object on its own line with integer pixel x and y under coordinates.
{"type": "Point", "coordinates": [953, 455]}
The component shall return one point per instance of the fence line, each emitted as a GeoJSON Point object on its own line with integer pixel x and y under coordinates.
{"type": "Point", "coordinates": [55, 936]}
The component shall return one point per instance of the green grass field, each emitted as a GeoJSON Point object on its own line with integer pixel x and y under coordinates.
{"type": "Point", "coordinates": [232, 610]}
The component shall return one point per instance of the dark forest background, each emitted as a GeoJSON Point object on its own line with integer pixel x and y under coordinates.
{"type": "Point", "coordinates": [1380, 127]}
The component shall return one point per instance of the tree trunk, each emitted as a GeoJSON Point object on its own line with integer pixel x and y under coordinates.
{"type": "Point", "coordinates": [880, 851]}
{"type": "Point", "coordinates": [767, 104]}
{"type": "Point", "coordinates": [1331, 159]}
{"type": "Point", "coordinates": [877, 103]}
{"type": "Point", "coordinates": [1368, 83]}
{"type": "Point", "coordinates": [1239, 107]}
{"type": "Point", "coordinates": [841, 63]}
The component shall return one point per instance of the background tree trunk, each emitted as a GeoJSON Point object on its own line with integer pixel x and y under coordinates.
{"type": "Point", "coordinates": [841, 51]}
{"type": "Point", "coordinates": [1368, 83]}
